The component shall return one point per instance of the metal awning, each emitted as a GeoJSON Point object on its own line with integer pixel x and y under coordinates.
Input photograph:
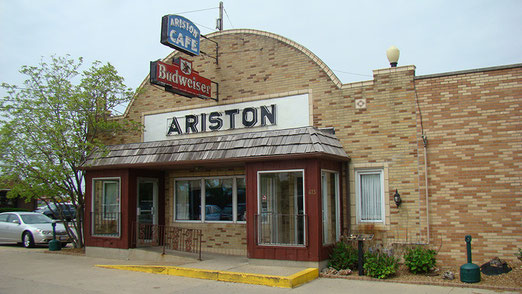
{"type": "Point", "coordinates": [306, 141]}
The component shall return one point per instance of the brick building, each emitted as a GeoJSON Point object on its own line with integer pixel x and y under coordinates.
{"type": "Point", "coordinates": [289, 158]}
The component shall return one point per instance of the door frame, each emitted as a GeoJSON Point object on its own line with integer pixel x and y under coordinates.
{"type": "Point", "coordinates": [155, 197]}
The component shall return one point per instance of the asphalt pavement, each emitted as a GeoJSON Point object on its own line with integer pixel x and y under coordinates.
{"type": "Point", "coordinates": [37, 270]}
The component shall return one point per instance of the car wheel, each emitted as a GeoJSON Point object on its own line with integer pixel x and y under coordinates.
{"type": "Point", "coordinates": [27, 240]}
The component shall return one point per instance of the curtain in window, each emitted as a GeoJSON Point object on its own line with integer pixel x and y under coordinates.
{"type": "Point", "coordinates": [188, 200]}
{"type": "Point", "coordinates": [110, 198]}
{"type": "Point", "coordinates": [371, 197]}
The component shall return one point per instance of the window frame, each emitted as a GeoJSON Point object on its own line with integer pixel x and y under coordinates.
{"type": "Point", "coordinates": [358, 187]}
{"type": "Point", "coordinates": [202, 200]}
{"type": "Point", "coordinates": [93, 207]}
{"type": "Point", "coordinates": [305, 227]}
{"type": "Point", "coordinates": [337, 205]}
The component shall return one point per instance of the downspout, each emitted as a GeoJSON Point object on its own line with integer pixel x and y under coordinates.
{"type": "Point", "coordinates": [425, 148]}
{"type": "Point", "coordinates": [425, 143]}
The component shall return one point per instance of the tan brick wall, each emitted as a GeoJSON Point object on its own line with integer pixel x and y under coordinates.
{"type": "Point", "coordinates": [474, 126]}
{"type": "Point", "coordinates": [472, 122]}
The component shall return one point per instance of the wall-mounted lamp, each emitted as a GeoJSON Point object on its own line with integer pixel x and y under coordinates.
{"type": "Point", "coordinates": [397, 198]}
{"type": "Point", "coordinates": [393, 55]}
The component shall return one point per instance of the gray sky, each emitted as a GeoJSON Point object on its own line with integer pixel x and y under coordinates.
{"type": "Point", "coordinates": [351, 37]}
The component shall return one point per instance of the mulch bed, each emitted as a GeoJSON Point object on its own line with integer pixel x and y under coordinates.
{"type": "Point", "coordinates": [511, 281]}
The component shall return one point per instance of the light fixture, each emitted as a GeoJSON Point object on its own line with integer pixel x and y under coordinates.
{"type": "Point", "coordinates": [393, 54]}
{"type": "Point", "coordinates": [397, 198]}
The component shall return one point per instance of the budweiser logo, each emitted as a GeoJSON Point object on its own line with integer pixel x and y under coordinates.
{"type": "Point", "coordinates": [180, 78]}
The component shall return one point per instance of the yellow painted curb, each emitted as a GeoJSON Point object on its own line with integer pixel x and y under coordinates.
{"type": "Point", "coordinates": [291, 281]}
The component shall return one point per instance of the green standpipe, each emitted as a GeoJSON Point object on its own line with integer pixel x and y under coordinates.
{"type": "Point", "coordinates": [54, 245]}
{"type": "Point", "coordinates": [469, 272]}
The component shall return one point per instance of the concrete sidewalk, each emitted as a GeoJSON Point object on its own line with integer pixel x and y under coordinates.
{"type": "Point", "coordinates": [224, 268]}
{"type": "Point", "coordinates": [29, 270]}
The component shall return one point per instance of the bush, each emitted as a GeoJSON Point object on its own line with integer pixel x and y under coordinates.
{"type": "Point", "coordinates": [379, 265]}
{"type": "Point", "coordinates": [420, 259]}
{"type": "Point", "coordinates": [343, 256]}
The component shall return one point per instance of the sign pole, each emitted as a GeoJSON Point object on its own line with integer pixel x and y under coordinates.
{"type": "Point", "coordinates": [219, 24]}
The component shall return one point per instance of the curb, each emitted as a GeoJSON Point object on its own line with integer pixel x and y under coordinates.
{"type": "Point", "coordinates": [291, 281]}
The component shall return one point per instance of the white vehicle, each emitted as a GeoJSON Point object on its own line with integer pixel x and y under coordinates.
{"type": "Point", "coordinates": [30, 228]}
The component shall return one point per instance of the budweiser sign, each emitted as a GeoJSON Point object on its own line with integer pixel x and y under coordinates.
{"type": "Point", "coordinates": [180, 78]}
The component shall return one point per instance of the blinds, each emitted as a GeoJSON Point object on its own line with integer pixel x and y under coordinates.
{"type": "Point", "coordinates": [371, 199]}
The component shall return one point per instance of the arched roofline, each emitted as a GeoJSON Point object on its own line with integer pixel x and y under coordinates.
{"type": "Point", "coordinates": [287, 41]}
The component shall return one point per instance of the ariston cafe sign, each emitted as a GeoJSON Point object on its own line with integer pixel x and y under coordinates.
{"type": "Point", "coordinates": [181, 34]}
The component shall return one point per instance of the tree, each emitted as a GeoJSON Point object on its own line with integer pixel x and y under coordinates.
{"type": "Point", "coordinates": [52, 124]}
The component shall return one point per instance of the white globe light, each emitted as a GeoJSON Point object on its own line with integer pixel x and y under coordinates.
{"type": "Point", "coordinates": [393, 55]}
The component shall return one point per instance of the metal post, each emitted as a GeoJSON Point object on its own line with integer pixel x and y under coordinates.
{"type": "Point", "coordinates": [200, 240]}
{"type": "Point", "coordinates": [219, 24]}
{"type": "Point", "coordinates": [361, 261]}
{"type": "Point", "coordinates": [164, 239]}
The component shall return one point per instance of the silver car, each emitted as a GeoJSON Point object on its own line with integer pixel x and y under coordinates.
{"type": "Point", "coordinates": [30, 228]}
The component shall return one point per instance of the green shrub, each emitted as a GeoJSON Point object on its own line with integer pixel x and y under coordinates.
{"type": "Point", "coordinates": [343, 256]}
{"type": "Point", "coordinates": [420, 259]}
{"type": "Point", "coordinates": [380, 265]}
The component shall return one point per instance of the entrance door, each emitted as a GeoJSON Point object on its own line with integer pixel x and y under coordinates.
{"type": "Point", "coordinates": [281, 219]}
{"type": "Point", "coordinates": [147, 201]}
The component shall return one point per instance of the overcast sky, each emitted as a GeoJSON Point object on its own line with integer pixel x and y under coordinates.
{"type": "Point", "coordinates": [351, 37]}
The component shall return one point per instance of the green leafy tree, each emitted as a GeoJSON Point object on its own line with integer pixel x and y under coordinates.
{"type": "Point", "coordinates": [52, 123]}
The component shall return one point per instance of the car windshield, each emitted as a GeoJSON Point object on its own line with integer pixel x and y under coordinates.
{"type": "Point", "coordinates": [35, 219]}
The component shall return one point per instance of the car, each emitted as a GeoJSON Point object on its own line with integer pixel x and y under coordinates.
{"type": "Point", "coordinates": [226, 213]}
{"type": "Point", "coordinates": [212, 212]}
{"type": "Point", "coordinates": [52, 211]}
{"type": "Point", "coordinates": [30, 229]}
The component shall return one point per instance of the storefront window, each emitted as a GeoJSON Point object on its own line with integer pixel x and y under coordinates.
{"type": "Point", "coordinates": [330, 206]}
{"type": "Point", "coordinates": [224, 199]}
{"type": "Point", "coordinates": [281, 219]}
{"type": "Point", "coordinates": [218, 200]}
{"type": "Point", "coordinates": [106, 207]}
{"type": "Point", "coordinates": [188, 200]}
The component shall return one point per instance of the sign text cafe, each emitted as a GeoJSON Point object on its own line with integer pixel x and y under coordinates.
{"type": "Point", "coordinates": [179, 77]}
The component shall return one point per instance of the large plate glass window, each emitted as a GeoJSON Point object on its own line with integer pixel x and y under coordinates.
{"type": "Point", "coordinates": [218, 199]}
{"type": "Point", "coordinates": [223, 199]}
{"type": "Point", "coordinates": [281, 219]}
{"type": "Point", "coordinates": [330, 206]}
{"type": "Point", "coordinates": [370, 195]}
{"type": "Point", "coordinates": [106, 207]}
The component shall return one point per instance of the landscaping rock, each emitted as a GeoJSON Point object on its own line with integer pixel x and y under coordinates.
{"type": "Point", "coordinates": [449, 275]}
{"type": "Point", "coordinates": [329, 271]}
{"type": "Point", "coordinates": [496, 266]}
{"type": "Point", "coordinates": [345, 272]}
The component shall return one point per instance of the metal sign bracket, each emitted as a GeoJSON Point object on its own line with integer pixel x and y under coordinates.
{"type": "Point", "coordinates": [217, 50]}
